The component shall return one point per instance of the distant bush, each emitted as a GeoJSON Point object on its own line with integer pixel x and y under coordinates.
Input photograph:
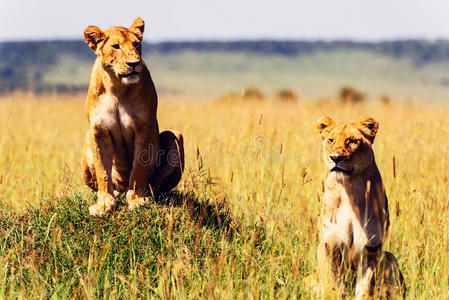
{"type": "Point", "coordinates": [287, 95]}
{"type": "Point", "coordinates": [229, 97]}
{"type": "Point", "coordinates": [384, 99]}
{"type": "Point", "coordinates": [350, 95]}
{"type": "Point", "coordinates": [252, 93]}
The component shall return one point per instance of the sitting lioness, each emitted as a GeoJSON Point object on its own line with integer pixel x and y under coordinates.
{"type": "Point", "coordinates": [124, 150]}
{"type": "Point", "coordinates": [354, 219]}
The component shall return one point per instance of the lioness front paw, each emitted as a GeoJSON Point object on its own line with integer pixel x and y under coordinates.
{"type": "Point", "coordinates": [135, 201]}
{"type": "Point", "coordinates": [105, 202]}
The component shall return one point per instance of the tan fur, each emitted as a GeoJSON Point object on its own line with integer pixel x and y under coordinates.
{"type": "Point", "coordinates": [124, 150]}
{"type": "Point", "coordinates": [354, 219]}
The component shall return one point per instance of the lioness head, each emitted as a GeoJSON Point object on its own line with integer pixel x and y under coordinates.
{"type": "Point", "coordinates": [119, 49]}
{"type": "Point", "coordinates": [347, 146]}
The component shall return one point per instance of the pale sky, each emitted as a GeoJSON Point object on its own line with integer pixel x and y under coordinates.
{"type": "Point", "coordinates": [230, 19]}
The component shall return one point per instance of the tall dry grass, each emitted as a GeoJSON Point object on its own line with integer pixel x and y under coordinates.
{"type": "Point", "coordinates": [265, 160]}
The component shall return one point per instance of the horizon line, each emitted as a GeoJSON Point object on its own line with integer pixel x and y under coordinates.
{"type": "Point", "coordinates": [244, 39]}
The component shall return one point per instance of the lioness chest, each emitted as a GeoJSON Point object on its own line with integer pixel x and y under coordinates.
{"type": "Point", "coordinates": [121, 118]}
{"type": "Point", "coordinates": [341, 224]}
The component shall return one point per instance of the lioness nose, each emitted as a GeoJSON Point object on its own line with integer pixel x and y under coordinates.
{"type": "Point", "coordinates": [337, 158]}
{"type": "Point", "coordinates": [133, 63]}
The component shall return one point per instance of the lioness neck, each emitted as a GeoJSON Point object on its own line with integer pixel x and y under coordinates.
{"type": "Point", "coordinates": [366, 186]}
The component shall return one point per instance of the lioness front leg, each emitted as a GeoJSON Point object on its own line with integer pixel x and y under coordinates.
{"type": "Point", "coordinates": [332, 269]}
{"type": "Point", "coordinates": [146, 147]}
{"type": "Point", "coordinates": [364, 285]}
{"type": "Point", "coordinates": [102, 150]}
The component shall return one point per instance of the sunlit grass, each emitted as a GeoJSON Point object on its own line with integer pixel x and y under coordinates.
{"type": "Point", "coordinates": [259, 160]}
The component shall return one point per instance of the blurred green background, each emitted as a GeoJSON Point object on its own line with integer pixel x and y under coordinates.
{"type": "Point", "coordinates": [405, 70]}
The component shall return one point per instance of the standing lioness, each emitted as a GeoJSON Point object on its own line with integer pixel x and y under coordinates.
{"type": "Point", "coordinates": [124, 150]}
{"type": "Point", "coordinates": [354, 220]}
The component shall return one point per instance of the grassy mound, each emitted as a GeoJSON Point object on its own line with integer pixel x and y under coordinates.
{"type": "Point", "coordinates": [173, 247]}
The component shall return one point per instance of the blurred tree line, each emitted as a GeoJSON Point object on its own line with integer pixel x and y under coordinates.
{"type": "Point", "coordinates": [22, 64]}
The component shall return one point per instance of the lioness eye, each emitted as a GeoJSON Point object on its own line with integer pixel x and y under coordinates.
{"type": "Point", "coordinates": [116, 46]}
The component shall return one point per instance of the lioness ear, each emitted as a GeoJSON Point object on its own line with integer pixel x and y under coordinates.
{"type": "Point", "coordinates": [368, 127]}
{"type": "Point", "coordinates": [93, 35]}
{"type": "Point", "coordinates": [137, 28]}
{"type": "Point", "coordinates": [324, 125]}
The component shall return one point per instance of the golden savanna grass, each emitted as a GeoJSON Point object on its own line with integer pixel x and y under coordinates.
{"type": "Point", "coordinates": [265, 157]}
